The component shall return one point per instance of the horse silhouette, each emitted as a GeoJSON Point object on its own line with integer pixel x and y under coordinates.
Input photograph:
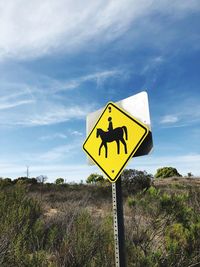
{"type": "Point", "coordinates": [110, 136]}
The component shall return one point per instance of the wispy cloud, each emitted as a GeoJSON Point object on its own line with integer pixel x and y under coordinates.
{"type": "Point", "coordinates": [98, 77]}
{"type": "Point", "coordinates": [169, 119]}
{"type": "Point", "coordinates": [185, 113]}
{"type": "Point", "coordinates": [35, 28]}
{"type": "Point", "coordinates": [16, 104]}
{"type": "Point", "coordinates": [40, 111]}
{"type": "Point", "coordinates": [60, 152]}
{"type": "Point", "coordinates": [53, 136]}
{"type": "Point", "coordinates": [43, 105]}
{"type": "Point", "coordinates": [56, 114]}
{"type": "Point", "coordinates": [15, 99]}
{"type": "Point", "coordinates": [69, 133]}
{"type": "Point", "coordinates": [76, 133]}
{"type": "Point", "coordinates": [27, 84]}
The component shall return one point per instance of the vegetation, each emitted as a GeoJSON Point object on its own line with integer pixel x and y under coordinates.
{"type": "Point", "coordinates": [71, 224]}
{"type": "Point", "coordinates": [166, 172]}
{"type": "Point", "coordinates": [59, 181]}
{"type": "Point", "coordinates": [134, 180]}
{"type": "Point", "coordinates": [95, 178]}
{"type": "Point", "coordinates": [169, 235]}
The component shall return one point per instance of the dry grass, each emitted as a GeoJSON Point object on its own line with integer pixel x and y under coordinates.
{"type": "Point", "coordinates": [187, 181]}
{"type": "Point", "coordinates": [97, 199]}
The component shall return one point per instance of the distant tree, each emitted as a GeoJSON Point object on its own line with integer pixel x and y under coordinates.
{"type": "Point", "coordinates": [5, 182]}
{"type": "Point", "coordinates": [33, 180]}
{"type": "Point", "coordinates": [166, 172]}
{"type": "Point", "coordinates": [25, 180]}
{"type": "Point", "coordinates": [59, 181]}
{"type": "Point", "coordinates": [20, 180]}
{"type": "Point", "coordinates": [189, 174]}
{"type": "Point", "coordinates": [95, 178]}
{"type": "Point", "coordinates": [8, 180]}
{"type": "Point", "coordinates": [41, 178]}
{"type": "Point", "coordinates": [134, 180]}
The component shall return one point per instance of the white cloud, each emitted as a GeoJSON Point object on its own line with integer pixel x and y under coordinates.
{"type": "Point", "coordinates": [98, 77]}
{"type": "Point", "coordinates": [184, 112]}
{"type": "Point", "coordinates": [68, 134]}
{"type": "Point", "coordinates": [58, 153]}
{"type": "Point", "coordinates": [35, 28]}
{"type": "Point", "coordinates": [56, 114]}
{"type": "Point", "coordinates": [40, 111]}
{"type": "Point", "coordinates": [53, 136]}
{"type": "Point", "coordinates": [153, 63]}
{"type": "Point", "coordinates": [169, 119]}
{"type": "Point", "coordinates": [38, 105]}
{"type": "Point", "coordinates": [20, 82]}
{"type": "Point", "coordinates": [76, 133]}
{"type": "Point", "coordinates": [15, 99]}
{"type": "Point", "coordinates": [16, 104]}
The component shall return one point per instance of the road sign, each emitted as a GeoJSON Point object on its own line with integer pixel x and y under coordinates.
{"type": "Point", "coordinates": [114, 139]}
{"type": "Point", "coordinates": [136, 106]}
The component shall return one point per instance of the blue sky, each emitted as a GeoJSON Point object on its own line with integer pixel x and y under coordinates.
{"type": "Point", "coordinates": [60, 60]}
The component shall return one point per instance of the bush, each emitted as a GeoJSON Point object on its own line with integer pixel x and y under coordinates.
{"type": "Point", "coordinates": [59, 181]}
{"type": "Point", "coordinates": [95, 178]}
{"type": "Point", "coordinates": [164, 230]}
{"type": "Point", "coordinates": [134, 180]}
{"type": "Point", "coordinates": [18, 232]}
{"type": "Point", "coordinates": [5, 182]}
{"type": "Point", "coordinates": [25, 180]}
{"type": "Point", "coordinates": [166, 172]}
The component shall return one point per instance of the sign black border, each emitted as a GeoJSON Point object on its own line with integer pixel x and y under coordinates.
{"type": "Point", "coordinates": [131, 154]}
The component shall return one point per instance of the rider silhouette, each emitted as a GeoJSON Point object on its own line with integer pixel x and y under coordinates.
{"type": "Point", "coordinates": [111, 135]}
{"type": "Point", "coordinates": [110, 126]}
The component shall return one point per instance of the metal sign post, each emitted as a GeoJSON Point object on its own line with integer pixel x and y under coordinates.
{"type": "Point", "coordinates": [118, 219]}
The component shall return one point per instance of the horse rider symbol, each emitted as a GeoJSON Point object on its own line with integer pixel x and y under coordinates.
{"type": "Point", "coordinates": [116, 134]}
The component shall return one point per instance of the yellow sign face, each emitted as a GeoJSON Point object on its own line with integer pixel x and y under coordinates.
{"type": "Point", "coordinates": [114, 139]}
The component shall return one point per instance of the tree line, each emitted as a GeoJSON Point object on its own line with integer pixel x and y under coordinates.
{"type": "Point", "coordinates": [129, 176]}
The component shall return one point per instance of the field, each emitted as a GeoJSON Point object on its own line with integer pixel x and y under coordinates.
{"type": "Point", "coordinates": [71, 224]}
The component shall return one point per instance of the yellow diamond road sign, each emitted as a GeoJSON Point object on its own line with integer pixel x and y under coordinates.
{"type": "Point", "coordinates": [114, 139]}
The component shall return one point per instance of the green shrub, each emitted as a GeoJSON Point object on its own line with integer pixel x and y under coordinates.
{"type": "Point", "coordinates": [5, 182]}
{"type": "Point", "coordinates": [95, 178]}
{"type": "Point", "coordinates": [18, 220]}
{"type": "Point", "coordinates": [165, 229]}
{"type": "Point", "coordinates": [177, 206]}
{"type": "Point", "coordinates": [59, 181]}
{"type": "Point", "coordinates": [87, 242]}
{"type": "Point", "coordinates": [166, 172]}
{"type": "Point", "coordinates": [131, 202]}
{"type": "Point", "coordinates": [134, 180]}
